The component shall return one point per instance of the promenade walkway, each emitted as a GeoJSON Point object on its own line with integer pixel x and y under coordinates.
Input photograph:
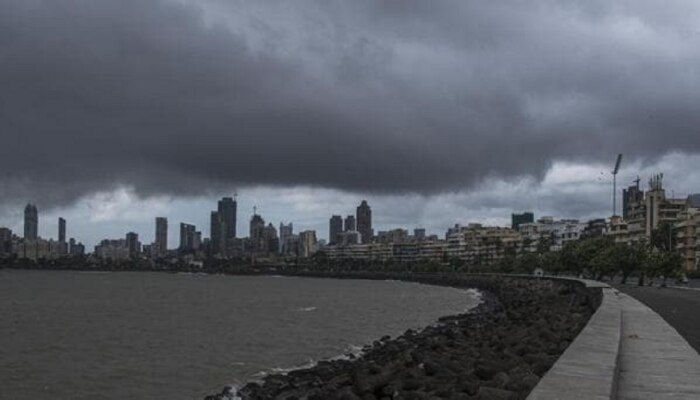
{"type": "Point", "coordinates": [679, 307]}
{"type": "Point", "coordinates": [655, 362]}
{"type": "Point", "coordinates": [629, 352]}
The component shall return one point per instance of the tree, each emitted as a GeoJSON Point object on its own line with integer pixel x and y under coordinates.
{"type": "Point", "coordinates": [528, 263]}
{"type": "Point", "coordinates": [605, 262]}
{"type": "Point", "coordinates": [669, 265]}
{"type": "Point", "coordinates": [587, 250]}
{"type": "Point", "coordinates": [634, 256]}
{"type": "Point", "coordinates": [662, 237]}
{"type": "Point", "coordinates": [568, 258]}
{"type": "Point", "coordinates": [544, 244]}
{"type": "Point", "coordinates": [552, 262]}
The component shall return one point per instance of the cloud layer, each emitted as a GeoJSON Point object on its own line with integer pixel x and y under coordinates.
{"type": "Point", "coordinates": [185, 97]}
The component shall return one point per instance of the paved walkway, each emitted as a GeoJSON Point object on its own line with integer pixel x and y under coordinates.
{"type": "Point", "coordinates": [655, 362]}
{"type": "Point", "coordinates": [680, 308]}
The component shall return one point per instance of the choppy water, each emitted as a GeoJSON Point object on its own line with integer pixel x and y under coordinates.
{"type": "Point", "coordinates": [83, 335]}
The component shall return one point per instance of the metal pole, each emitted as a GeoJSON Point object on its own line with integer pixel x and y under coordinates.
{"type": "Point", "coordinates": [614, 193]}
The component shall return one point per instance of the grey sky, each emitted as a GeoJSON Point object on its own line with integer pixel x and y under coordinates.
{"type": "Point", "coordinates": [185, 100]}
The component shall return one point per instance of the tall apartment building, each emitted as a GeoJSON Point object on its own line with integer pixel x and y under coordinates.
{"type": "Point", "coordinates": [188, 239]}
{"type": "Point", "coordinates": [227, 209]}
{"type": "Point", "coordinates": [335, 228]}
{"type": "Point", "coordinates": [31, 222]}
{"type": "Point", "coordinates": [645, 211]}
{"type": "Point", "coordinates": [61, 230]}
{"type": "Point", "coordinates": [133, 245]}
{"type": "Point", "coordinates": [161, 236]}
{"type": "Point", "coordinates": [5, 241]}
{"type": "Point", "coordinates": [285, 232]}
{"type": "Point", "coordinates": [307, 243]}
{"type": "Point", "coordinates": [217, 234]}
{"type": "Point", "coordinates": [63, 246]}
{"type": "Point", "coordinates": [364, 221]}
{"type": "Point", "coordinates": [350, 223]}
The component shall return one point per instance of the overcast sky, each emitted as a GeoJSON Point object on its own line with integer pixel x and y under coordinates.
{"type": "Point", "coordinates": [436, 112]}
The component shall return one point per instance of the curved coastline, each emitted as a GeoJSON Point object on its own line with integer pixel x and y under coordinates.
{"type": "Point", "coordinates": [498, 350]}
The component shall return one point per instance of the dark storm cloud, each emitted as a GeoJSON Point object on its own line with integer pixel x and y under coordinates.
{"type": "Point", "coordinates": [409, 96]}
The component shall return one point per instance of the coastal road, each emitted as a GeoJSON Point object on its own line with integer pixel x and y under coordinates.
{"type": "Point", "coordinates": [679, 307]}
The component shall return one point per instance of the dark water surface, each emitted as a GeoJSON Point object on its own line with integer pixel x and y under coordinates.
{"type": "Point", "coordinates": [141, 335]}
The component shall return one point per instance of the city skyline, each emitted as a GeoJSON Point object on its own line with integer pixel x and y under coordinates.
{"type": "Point", "coordinates": [319, 218]}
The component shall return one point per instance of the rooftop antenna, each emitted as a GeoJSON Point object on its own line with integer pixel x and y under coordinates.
{"type": "Point", "coordinates": [255, 210]}
{"type": "Point", "coordinates": [614, 173]}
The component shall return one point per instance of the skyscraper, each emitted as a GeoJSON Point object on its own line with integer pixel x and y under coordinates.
{"type": "Point", "coordinates": [31, 222]}
{"type": "Point", "coordinates": [187, 237]}
{"type": "Point", "coordinates": [133, 244]}
{"type": "Point", "coordinates": [227, 212]}
{"type": "Point", "coordinates": [161, 235]}
{"type": "Point", "coordinates": [285, 232]}
{"type": "Point", "coordinates": [62, 245]}
{"type": "Point", "coordinates": [5, 241]}
{"type": "Point", "coordinates": [257, 232]}
{"type": "Point", "coordinates": [61, 230]}
{"type": "Point", "coordinates": [307, 243]}
{"type": "Point", "coordinates": [350, 223]}
{"type": "Point", "coordinates": [336, 226]}
{"type": "Point", "coordinates": [217, 233]}
{"type": "Point", "coordinates": [364, 221]}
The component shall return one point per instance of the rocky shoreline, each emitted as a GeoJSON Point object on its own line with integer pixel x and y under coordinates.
{"type": "Point", "coordinates": [498, 350]}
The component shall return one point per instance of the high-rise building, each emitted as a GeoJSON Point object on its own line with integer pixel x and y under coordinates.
{"type": "Point", "coordinates": [187, 237]}
{"type": "Point", "coordinates": [335, 228]}
{"type": "Point", "coordinates": [257, 233]}
{"type": "Point", "coordinates": [227, 209]}
{"type": "Point", "coordinates": [217, 233]}
{"type": "Point", "coordinates": [5, 241]}
{"type": "Point", "coordinates": [31, 222]}
{"type": "Point", "coordinates": [197, 240]}
{"type": "Point", "coordinates": [659, 208]}
{"type": "Point", "coordinates": [285, 232]}
{"type": "Point", "coordinates": [133, 244]}
{"type": "Point", "coordinates": [524, 218]}
{"type": "Point", "coordinates": [364, 221]}
{"type": "Point", "coordinates": [272, 242]}
{"type": "Point", "coordinates": [61, 230]}
{"type": "Point", "coordinates": [62, 245]}
{"type": "Point", "coordinates": [419, 233]}
{"type": "Point", "coordinates": [631, 198]}
{"type": "Point", "coordinates": [350, 223]}
{"type": "Point", "coordinates": [161, 236]}
{"type": "Point", "coordinates": [307, 243]}
{"type": "Point", "coordinates": [76, 249]}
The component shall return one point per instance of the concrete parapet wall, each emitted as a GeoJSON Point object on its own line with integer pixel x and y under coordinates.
{"type": "Point", "coordinates": [588, 367]}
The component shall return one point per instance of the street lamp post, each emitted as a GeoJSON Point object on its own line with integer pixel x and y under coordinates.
{"type": "Point", "coordinates": [614, 174]}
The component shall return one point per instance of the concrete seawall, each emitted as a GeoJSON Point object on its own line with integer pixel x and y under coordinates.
{"type": "Point", "coordinates": [588, 367]}
{"type": "Point", "coordinates": [626, 351]}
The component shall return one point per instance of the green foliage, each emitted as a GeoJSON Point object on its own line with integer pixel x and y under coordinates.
{"type": "Point", "coordinates": [544, 244]}
{"type": "Point", "coordinates": [662, 238]}
{"type": "Point", "coordinates": [663, 263]}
